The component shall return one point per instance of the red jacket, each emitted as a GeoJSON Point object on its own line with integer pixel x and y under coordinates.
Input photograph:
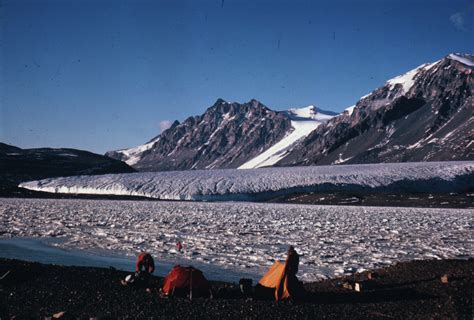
{"type": "Point", "coordinates": [145, 263]}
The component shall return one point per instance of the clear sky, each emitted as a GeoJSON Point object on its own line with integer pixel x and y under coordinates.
{"type": "Point", "coordinates": [103, 75]}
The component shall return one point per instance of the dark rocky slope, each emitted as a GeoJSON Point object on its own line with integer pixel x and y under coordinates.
{"type": "Point", "coordinates": [20, 165]}
{"type": "Point", "coordinates": [425, 115]}
{"type": "Point", "coordinates": [225, 136]}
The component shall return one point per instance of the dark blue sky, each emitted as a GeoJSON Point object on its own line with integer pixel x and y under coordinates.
{"type": "Point", "coordinates": [102, 75]}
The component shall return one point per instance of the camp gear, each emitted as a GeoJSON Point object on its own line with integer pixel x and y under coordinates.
{"type": "Point", "coordinates": [246, 287]}
{"type": "Point", "coordinates": [186, 281]}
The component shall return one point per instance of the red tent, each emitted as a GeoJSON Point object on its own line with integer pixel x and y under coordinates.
{"type": "Point", "coordinates": [183, 281]}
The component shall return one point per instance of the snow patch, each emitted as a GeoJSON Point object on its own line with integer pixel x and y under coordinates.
{"type": "Point", "coordinates": [463, 60]}
{"type": "Point", "coordinates": [133, 155]}
{"type": "Point", "coordinates": [350, 110]}
{"type": "Point", "coordinates": [407, 80]}
{"type": "Point", "coordinates": [341, 160]}
{"type": "Point", "coordinates": [67, 155]}
{"type": "Point", "coordinates": [309, 112]}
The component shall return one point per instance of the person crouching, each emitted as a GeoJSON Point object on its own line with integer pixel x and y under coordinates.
{"type": "Point", "coordinates": [144, 268]}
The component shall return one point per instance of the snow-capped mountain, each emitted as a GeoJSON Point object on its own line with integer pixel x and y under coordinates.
{"type": "Point", "coordinates": [425, 114]}
{"type": "Point", "coordinates": [225, 136]}
{"type": "Point", "coordinates": [422, 115]}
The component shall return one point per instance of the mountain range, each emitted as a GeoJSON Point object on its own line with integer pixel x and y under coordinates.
{"type": "Point", "coordinates": [227, 135]}
{"type": "Point", "coordinates": [425, 114]}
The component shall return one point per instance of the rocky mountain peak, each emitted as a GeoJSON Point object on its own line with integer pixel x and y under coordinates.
{"type": "Point", "coordinates": [224, 136]}
{"type": "Point", "coordinates": [422, 115]}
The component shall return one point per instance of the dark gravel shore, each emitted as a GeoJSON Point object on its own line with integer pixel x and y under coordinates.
{"type": "Point", "coordinates": [374, 199]}
{"type": "Point", "coordinates": [411, 290]}
{"type": "Point", "coordinates": [383, 199]}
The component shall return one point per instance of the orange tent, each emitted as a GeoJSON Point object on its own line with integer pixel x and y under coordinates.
{"type": "Point", "coordinates": [277, 279]}
{"type": "Point", "coordinates": [182, 281]}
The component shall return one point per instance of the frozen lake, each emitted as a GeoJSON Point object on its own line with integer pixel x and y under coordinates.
{"type": "Point", "coordinates": [243, 239]}
{"type": "Point", "coordinates": [46, 250]}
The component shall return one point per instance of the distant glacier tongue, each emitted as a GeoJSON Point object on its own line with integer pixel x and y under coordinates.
{"type": "Point", "coordinates": [264, 183]}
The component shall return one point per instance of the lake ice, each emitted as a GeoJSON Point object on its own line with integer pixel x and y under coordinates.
{"type": "Point", "coordinates": [246, 237]}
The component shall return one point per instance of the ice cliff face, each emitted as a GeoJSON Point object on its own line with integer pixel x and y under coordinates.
{"type": "Point", "coordinates": [423, 115]}
{"type": "Point", "coordinates": [266, 183]}
{"type": "Point", "coordinates": [225, 136]}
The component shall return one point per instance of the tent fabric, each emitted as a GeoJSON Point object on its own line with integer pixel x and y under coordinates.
{"type": "Point", "coordinates": [182, 279]}
{"type": "Point", "coordinates": [277, 279]}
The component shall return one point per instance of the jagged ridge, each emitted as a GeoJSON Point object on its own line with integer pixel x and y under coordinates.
{"type": "Point", "coordinates": [225, 136]}
{"type": "Point", "coordinates": [424, 115]}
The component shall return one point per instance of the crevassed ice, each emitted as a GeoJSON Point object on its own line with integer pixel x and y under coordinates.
{"type": "Point", "coordinates": [232, 184]}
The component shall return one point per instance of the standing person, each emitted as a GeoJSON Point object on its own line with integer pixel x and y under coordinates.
{"type": "Point", "coordinates": [292, 262]}
{"type": "Point", "coordinates": [294, 286]}
{"type": "Point", "coordinates": [179, 246]}
{"type": "Point", "coordinates": [281, 280]}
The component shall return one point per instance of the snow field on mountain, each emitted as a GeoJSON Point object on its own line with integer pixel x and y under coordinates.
{"type": "Point", "coordinates": [303, 122]}
{"type": "Point", "coordinates": [350, 109]}
{"type": "Point", "coordinates": [464, 60]}
{"type": "Point", "coordinates": [263, 183]}
{"type": "Point", "coordinates": [407, 80]}
{"type": "Point", "coordinates": [133, 155]}
{"type": "Point", "coordinates": [246, 237]}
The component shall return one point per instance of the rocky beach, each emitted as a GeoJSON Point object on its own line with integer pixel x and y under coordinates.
{"type": "Point", "coordinates": [428, 289]}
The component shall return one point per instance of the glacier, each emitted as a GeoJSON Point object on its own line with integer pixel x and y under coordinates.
{"type": "Point", "coordinates": [245, 238]}
{"type": "Point", "coordinates": [266, 183]}
{"type": "Point", "coordinates": [303, 122]}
